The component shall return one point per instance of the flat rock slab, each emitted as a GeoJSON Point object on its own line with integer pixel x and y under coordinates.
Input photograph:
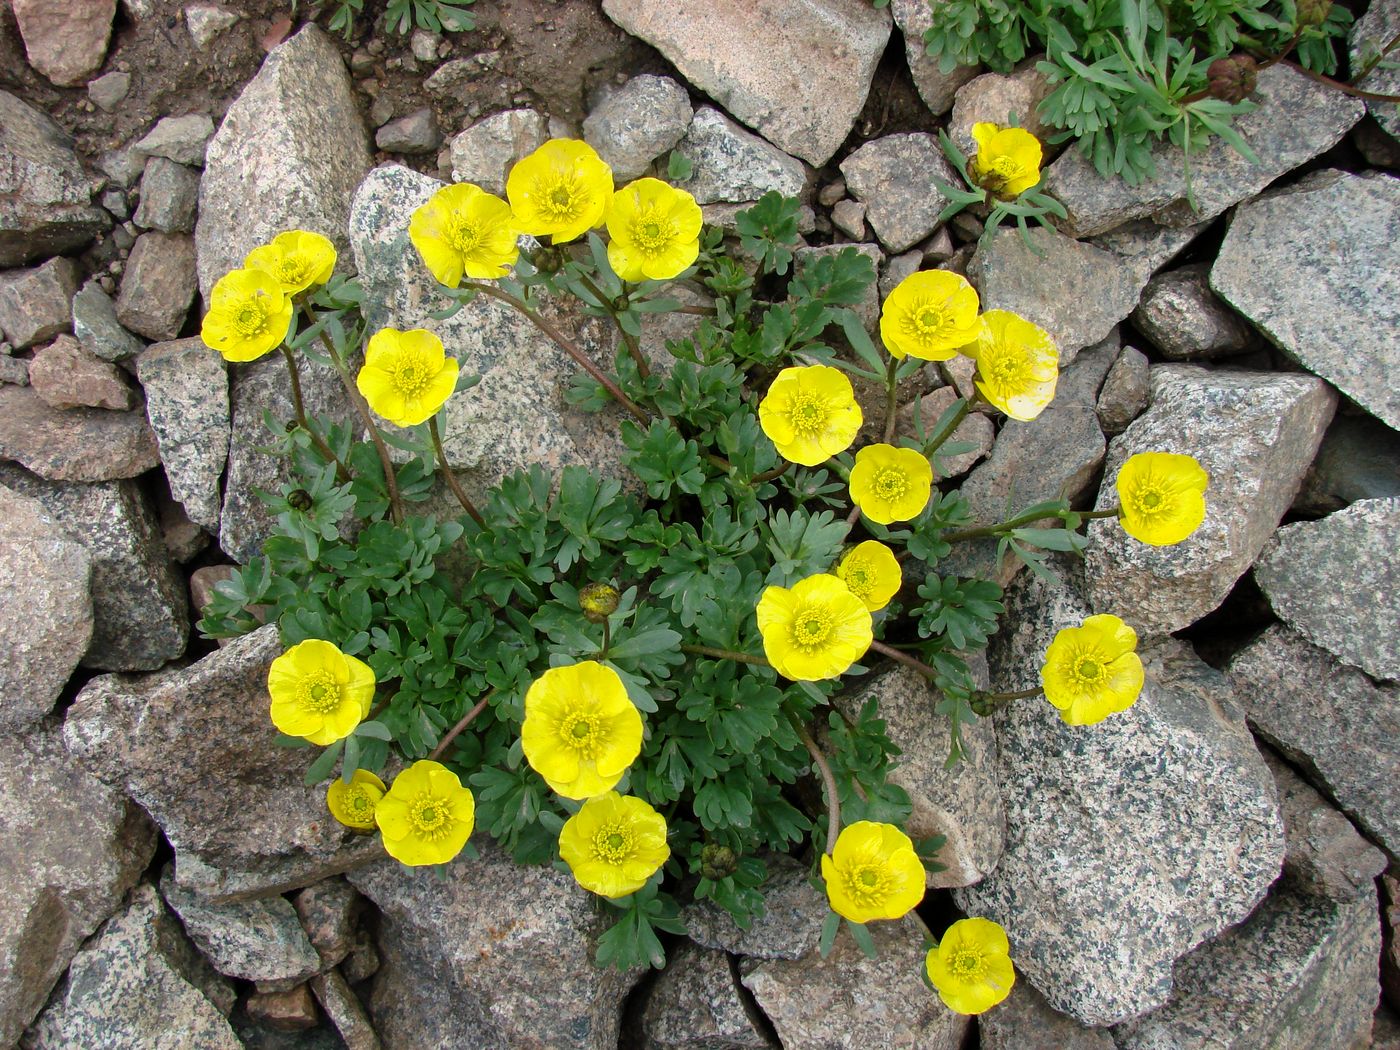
{"type": "Point", "coordinates": [897, 177]}
{"type": "Point", "coordinates": [83, 444]}
{"type": "Point", "coordinates": [1255, 434]}
{"type": "Point", "coordinates": [789, 928]}
{"type": "Point", "coordinates": [1025, 1021]}
{"type": "Point", "coordinates": [696, 1003]}
{"type": "Point", "coordinates": [67, 376]}
{"type": "Point", "coordinates": [731, 165]}
{"type": "Point", "coordinates": [936, 88]}
{"type": "Point", "coordinates": [796, 71]}
{"type": "Point", "coordinates": [1316, 267]}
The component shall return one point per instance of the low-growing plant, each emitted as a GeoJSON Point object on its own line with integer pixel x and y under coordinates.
{"type": "Point", "coordinates": [401, 17]}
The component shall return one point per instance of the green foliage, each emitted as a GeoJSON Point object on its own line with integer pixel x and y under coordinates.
{"type": "Point", "coordinates": [403, 16]}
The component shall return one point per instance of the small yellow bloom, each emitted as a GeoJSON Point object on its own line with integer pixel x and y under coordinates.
{"type": "Point", "coordinates": [871, 572]}
{"type": "Point", "coordinates": [249, 315]}
{"type": "Point", "coordinates": [297, 259]}
{"type": "Point", "coordinates": [1161, 497]}
{"type": "Point", "coordinates": [427, 816]}
{"type": "Point", "coordinates": [930, 315]}
{"type": "Point", "coordinates": [872, 873]}
{"type": "Point", "coordinates": [563, 189]}
{"type": "Point", "coordinates": [653, 231]}
{"type": "Point", "coordinates": [614, 844]}
{"type": "Point", "coordinates": [407, 376]}
{"type": "Point", "coordinates": [814, 630]}
{"type": "Point", "coordinates": [318, 692]}
{"type": "Point", "coordinates": [1007, 162]}
{"type": "Point", "coordinates": [1017, 364]}
{"type": "Point", "coordinates": [1092, 671]}
{"type": "Point", "coordinates": [810, 413]}
{"type": "Point", "coordinates": [581, 732]}
{"type": "Point", "coordinates": [353, 804]}
{"type": "Point", "coordinates": [891, 484]}
{"type": "Point", "coordinates": [462, 229]}
{"type": "Point", "coordinates": [971, 967]}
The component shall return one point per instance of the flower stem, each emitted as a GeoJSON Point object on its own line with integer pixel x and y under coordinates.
{"type": "Point", "coordinates": [772, 475]}
{"type": "Point", "coordinates": [466, 720]}
{"type": "Point", "coordinates": [451, 478]}
{"type": "Point", "coordinates": [833, 799]}
{"type": "Point", "coordinates": [905, 659]}
{"type": "Point", "coordinates": [988, 531]}
{"type": "Point", "coordinates": [985, 703]}
{"type": "Point", "coordinates": [1346, 89]}
{"type": "Point", "coordinates": [299, 406]}
{"type": "Point", "coordinates": [891, 398]}
{"type": "Point", "coordinates": [943, 435]}
{"type": "Point", "coordinates": [607, 640]}
{"type": "Point", "coordinates": [726, 654]}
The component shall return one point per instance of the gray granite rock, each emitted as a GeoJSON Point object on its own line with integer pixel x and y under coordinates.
{"type": "Point", "coordinates": [789, 928]}
{"type": "Point", "coordinates": [1335, 582]}
{"type": "Point", "coordinates": [1295, 121]}
{"type": "Point", "coordinates": [798, 74]}
{"type": "Point", "coordinates": [845, 1001]}
{"type": "Point", "coordinates": [290, 1011]}
{"type": "Point", "coordinates": [187, 402]}
{"type": "Point", "coordinates": [97, 328]}
{"type": "Point", "coordinates": [330, 913]}
{"type": "Point", "coordinates": [288, 155]}
{"type": "Point", "coordinates": [1128, 842]}
{"type": "Point", "coordinates": [45, 610]}
{"type": "Point", "coordinates": [1316, 268]}
{"type": "Point", "coordinates": [1146, 246]}
{"type": "Point", "coordinates": [696, 1004]}
{"type": "Point", "coordinates": [1359, 459]}
{"type": "Point", "coordinates": [734, 165]}
{"type": "Point", "coordinates": [1370, 35]}
{"type": "Point", "coordinates": [158, 285]}
{"type": "Point", "coordinates": [997, 98]}
{"type": "Point", "coordinates": [935, 87]}
{"type": "Point", "coordinates": [849, 217]}
{"type": "Point", "coordinates": [345, 1011]}
{"type": "Point", "coordinates": [137, 985]}
{"type": "Point", "coordinates": [66, 43]}
{"type": "Point", "coordinates": [1025, 1021]}
{"type": "Point", "coordinates": [495, 956]}
{"type": "Point", "coordinates": [14, 370]}
{"type": "Point", "coordinates": [1390, 936]}
{"type": "Point", "coordinates": [1185, 320]}
{"type": "Point", "coordinates": [1125, 393]}
{"type": "Point", "coordinates": [36, 305]}
{"type": "Point", "coordinates": [976, 430]}
{"type": "Point", "coordinates": [169, 197]}
{"type": "Point", "coordinates": [184, 139]}
{"type": "Point", "coordinates": [67, 376]}
{"type": "Point", "coordinates": [81, 444]}
{"type": "Point", "coordinates": [637, 123]}
{"type": "Point", "coordinates": [183, 538]}
{"type": "Point", "coordinates": [1255, 434]}
{"type": "Point", "coordinates": [414, 133]}
{"type": "Point", "coordinates": [1338, 727]}
{"type": "Point", "coordinates": [485, 152]}
{"type": "Point", "coordinates": [70, 848]}
{"type": "Point", "coordinates": [206, 21]}
{"type": "Point", "coordinates": [107, 91]}
{"type": "Point", "coordinates": [896, 178]}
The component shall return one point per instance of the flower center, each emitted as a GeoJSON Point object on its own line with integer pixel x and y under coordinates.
{"type": "Point", "coordinates": [868, 883]}
{"type": "Point", "coordinates": [857, 580]}
{"type": "Point", "coordinates": [251, 317]}
{"type": "Point", "coordinates": [559, 198]}
{"type": "Point", "coordinates": [890, 484]}
{"type": "Point", "coordinates": [580, 732]}
{"type": "Point", "coordinates": [412, 376]}
{"type": "Point", "coordinates": [293, 269]}
{"type": "Point", "coordinates": [966, 963]}
{"type": "Point", "coordinates": [651, 234]}
{"type": "Point", "coordinates": [1089, 670]}
{"type": "Point", "coordinates": [613, 843]}
{"type": "Point", "coordinates": [808, 414]}
{"type": "Point", "coordinates": [319, 692]}
{"type": "Point", "coordinates": [811, 627]}
{"type": "Point", "coordinates": [1008, 370]}
{"type": "Point", "coordinates": [428, 816]}
{"type": "Point", "coordinates": [928, 319]}
{"type": "Point", "coordinates": [463, 234]}
{"type": "Point", "coordinates": [360, 804]}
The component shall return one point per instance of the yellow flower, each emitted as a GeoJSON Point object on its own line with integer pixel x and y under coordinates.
{"type": "Point", "coordinates": [407, 376]}
{"type": "Point", "coordinates": [1161, 497]}
{"type": "Point", "coordinates": [1017, 364]}
{"type": "Point", "coordinates": [581, 732]}
{"type": "Point", "coordinates": [1007, 162]}
{"type": "Point", "coordinates": [563, 188]}
{"type": "Point", "coordinates": [891, 484]}
{"type": "Point", "coordinates": [297, 259]}
{"type": "Point", "coordinates": [1092, 671]}
{"type": "Point", "coordinates": [614, 844]}
{"type": "Point", "coordinates": [871, 572]}
{"type": "Point", "coordinates": [462, 229]}
{"type": "Point", "coordinates": [810, 413]}
{"type": "Point", "coordinates": [427, 816]}
{"type": "Point", "coordinates": [353, 804]}
{"type": "Point", "coordinates": [971, 967]}
{"type": "Point", "coordinates": [653, 231]}
{"type": "Point", "coordinates": [318, 692]}
{"type": "Point", "coordinates": [929, 315]}
{"type": "Point", "coordinates": [815, 630]}
{"type": "Point", "coordinates": [872, 873]}
{"type": "Point", "coordinates": [249, 315]}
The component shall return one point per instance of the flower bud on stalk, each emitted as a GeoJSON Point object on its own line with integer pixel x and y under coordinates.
{"type": "Point", "coordinates": [299, 499]}
{"type": "Point", "coordinates": [718, 862]}
{"type": "Point", "coordinates": [598, 601]}
{"type": "Point", "coordinates": [1313, 12]}
{"type": "Point", "coordinates": [1232, 79]}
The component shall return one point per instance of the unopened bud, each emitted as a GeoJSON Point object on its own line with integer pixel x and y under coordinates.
{"type": "Point", "coordinates": [1313, 12]}
{"type": "Point", "coordinates": [299, 499]}
{"type": "Point", "coordinates": [598, 601]}
{"type": "Point", "coordinates": [549, 260]}
{"type": "Point", "coordinates": [1232, 79]}
{"type": "Point", "coordinates": [292, 426]}
{"type": "Point", "coordinates": [718, 862]}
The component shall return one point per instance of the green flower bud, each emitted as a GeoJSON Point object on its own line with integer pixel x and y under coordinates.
{"type": "Point", "coordinates": [299, 499]}
{"type": "Point", "coordinates": [1313, 12]}
{"type": "Point", "coordinates": [598, 601]}
{"type": "Point", "coordinates": [718, 862]}
{"type": "Point", "coordinates": [1232, 79]}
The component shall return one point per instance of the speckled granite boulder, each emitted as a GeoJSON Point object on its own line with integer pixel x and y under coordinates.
{"type": "Point", "coordinates": [696, 1004]}
{"type": "Point", "coordinates": [1025, 1021]}
{"type": "Point", "coordinates": [789, 928]}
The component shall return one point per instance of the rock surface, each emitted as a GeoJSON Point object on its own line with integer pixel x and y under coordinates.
{"type": "Point", "coordinates": [789, 928]}
{"type": "Point", "coordinates": [83, 444]}
{"type": "Point", "coordinates": [1025, 1021]}
{"type": "Point", "coordinates": [97, 328]}
{"type": "Point", "coordinates": [1125, 393]}
{"type": "Point", "coordinates": [696, 1004]}
{"type": "Point", "coordinates": [329, 913]}
{"type": "Point", "coordinates": [169, 197]}
{"type": "Point", "coordinates": [345, 1011]}
{"type": "Point", "coordinates": [637, 123]}
{"type": "Point", "coordinates": [1184, 319]}
{"type": "Point", "coordinates": [184, 139]}
{"type": "Point", "coordinates": [484, 153]}
{"type": "Point", "coordinates": [734, 165]}
{"type": "Point", "coordinates": [158, 285]}
{"type": "Point", "coordinates": [36, 305]}
{"type": "Point", "coordinates": [896, 178]}
{"type": "Point", "coordinates": [67, 376]}
{"type": "Point", "coordinates": [1369, 35]}
{"type": "Point", "coordinates": [997, 98]}
{"type": "Point", "coordinates": [1359, 459]}
{"type": "Point", "coordinates": [67, 42]}
{"type": "Point", "coordinates": [414, 133]}
{"type": "Point", "coordinates": [936, 88]}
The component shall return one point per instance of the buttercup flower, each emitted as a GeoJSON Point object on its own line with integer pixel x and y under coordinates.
{"type": "Point", "coordinates": [1007, 162]}
{"type": "Point", "coordinates": [407, 376]}
{"type": "Point", "coordinates": [318, 692]}
{"type": "Point", "coordinates": [891, 484]}
{"type": "Point", "coordinates": [871, 572]}
{"type": "Point", "coordinates": [614, 844]}
{"type": "Point", "coordinates": [1092, 671]}
{"type": "Point", "coordinates": [563, 189]}
{"type": "Point", "coordinates": [814, 630]}
{"type": "Point", "coordinates": [297, 259]}
{"type": "Point", "coordinates": [249, 315]}
{"type": "Point", "coordinates": [1161, 497]}
{"type": "Point", "coordinates": [872, 873]}
{"type": "Point", "coordinates": [581, 732]}
{"type": "Point", "coordinates": [971, 967]}
{"type": "Point", "coordinates": [462, 229]}
{"type": "Point", "coordinates": [810, 413]}
{"type": "Point", "coordinates": [353, 804]}
{"type": "Point", "coordinates": [1017, 364]}
{"type": "Point", "coordinates": [653, 231]}
{"type": "Point", "coordinates": [427, 816]}
{"type": "Point", "coordinates": [929, 315]}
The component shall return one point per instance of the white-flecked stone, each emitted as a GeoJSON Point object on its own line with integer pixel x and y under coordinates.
{"type": "Point", "coordinates": [736, 166]}
{"type": "Point", "coordinates": [485, 152]}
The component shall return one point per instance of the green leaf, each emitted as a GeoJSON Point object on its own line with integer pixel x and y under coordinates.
{"type": "Point", "coordinates": [321, 768]}
{"type": "Point", "coordinates": [830, 927]}
{"type": "Point", "coordinates": [679, 167]}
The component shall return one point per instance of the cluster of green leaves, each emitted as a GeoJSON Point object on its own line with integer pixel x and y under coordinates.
{"type": "Point", "coordinates": [402, 16]}
{"type": "Point", "coordinates": [1128, 74]}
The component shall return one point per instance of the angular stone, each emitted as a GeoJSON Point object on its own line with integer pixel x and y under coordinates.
{"type": "Point", "coordinates": [1145, 246]}
{"type": "Point", "coordinates": [288, 154]}
{"type": "Point", "coordinates": [181, 139]}
{"type": "Point", "coordinates": [1295, 121]}
{"type": "Point", "coordinates": [849, 218]}
{"type": "Point", "coordinates": [637, 123]}
{"type": "Point", "coordinates": [494, 956]}
{"type": "Point", "coordinates": [345, 1011]}
{"type": "Point", "coordinates": [976, 430]}
{"type": "Point", "coordinates": [695, 1004]}
{"type": "Point", "coordinates": [329, 913]}
{"type": "Point", "coordinates": [169, 197]}
{"type": "Point", "coordinates": [137, 985]}
{"type": "Point", "coordinates": [97, 328]}
{"type": "Point", "coordinates": [1359, 459]}
{"type": "Point", "coordinates": [1370, 34]}
{"type": "Point", "coordinates": [36, 305]}
{"type": "Point", "coordinates": [896, 178]}
{"type": "Point", "coordinates": [486, 151]}
{"type": "Point", "coordinates": [183, 538]}
{"type": "Point", "coordinates": [415, 133]}
{"type": "Point", "coordinates": [290, 1011]}
{"type": "Point", "coordinates": [1161, 820]}
{"type": "Point", "coordinates": [1336, 312]}
{"type": "Point", "coordinates": [1025, 1021]}
{"type": "Point", "coordinates": [206, 21]}
{"type": "Point", "coordinates": [996, 98]}
{"type": "Point", "coordinates": [1255, 434]}
{"type": "Point", "coordinates": [845, 999]}
{"type": "Point", "coordinates": [1331, 721]}
{"type": "Point", "coordinates": [187, 402]}
{"type": "Point", "coordinates": [1390, 936]}
{"type": "Point", "coordinates": [14, 370]}
{"type": "Point", "coordinates": [1184, 319]}
{"type": "Point", "coordinates": [789, 928]}
{"type": "Point", "coordinates": [734, 165]}
{"type": "Point", "coordinates": [158, 285]}
{"type": "Point", "coordinates": [797, 73]}
{"type": "Point", "coordinates": [84, 444]}
{"type": "Point", "coordinates": [936, 88]}
{"type": "Point", "coordinates": [67, 376]}
{"type": "Point", "coordinates": [1125, 392]}
{"type": "Point", "coordinates": [107, 91]}
{"type": "Point", "coordinates": [65, 42]}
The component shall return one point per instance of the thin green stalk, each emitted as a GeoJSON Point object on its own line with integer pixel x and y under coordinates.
{"type": "Point", "coordinates": [726, 654]}
{"type": "Point", "coordinates": [466, 720]}
{"type": "Point", "coordinates": [905, 659]}
{"type": "Point", "coordinates": [451, 478]}
{"type": "Point", "coordinates": [299, 407]}
{"type": "Point", "coordinates": [989, 531]}
{"type": "Point", "coordinates": [833, 798]}
{"type": "Point", "coordinates": [891, 399]}
{"type": "Point", "coordinates": [942, 436]}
